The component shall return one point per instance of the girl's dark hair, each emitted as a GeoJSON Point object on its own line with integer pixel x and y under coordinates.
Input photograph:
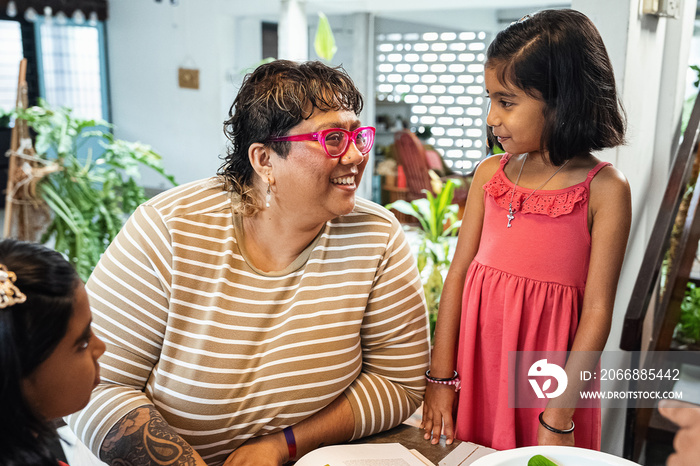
{"type": "Point", "coordinates": [29, 332]}
{"type": "Point", "coordinates": [558, 56]}
{"type": "Point", "coordinates": [272, 100]}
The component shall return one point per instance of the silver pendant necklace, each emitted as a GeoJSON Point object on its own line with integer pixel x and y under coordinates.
{"type": "Point", "coordinates": [511, 212]}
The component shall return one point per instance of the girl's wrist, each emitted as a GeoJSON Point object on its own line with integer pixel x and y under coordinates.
{"type": "Point", "coordinates": [452, 381]}
{"type": "Point", "coordinates": [560, 419]}
{"type": "Point", "coordinates": [440, 372]}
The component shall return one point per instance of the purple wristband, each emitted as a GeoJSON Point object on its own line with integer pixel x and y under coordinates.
{"type": "Point", "coordinates": [291, 442]}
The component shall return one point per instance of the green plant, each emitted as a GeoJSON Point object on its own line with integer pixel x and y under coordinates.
{"type": "Point", "coordinates": [696, 68]}
{"type": "Point", "coordinates": [439, 222]}
{"type": "Point", "coordinates": [690, 101]}
{"type": "Point", "coordinates": [324, 42]}
{"type": "Point", "coordinates": [5, 117]}
{"type": "Point", "coordinates": [688, 328]}
{"type": "Point", "coordinates": [90, 196]}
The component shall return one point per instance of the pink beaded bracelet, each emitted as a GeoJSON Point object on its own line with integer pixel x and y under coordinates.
{"type": "Point", "coordinates": [454, 380]}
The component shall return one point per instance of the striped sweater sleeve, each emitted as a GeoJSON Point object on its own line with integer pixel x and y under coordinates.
{"type": "Point", "coordinates": [130, 283]}
{"type": "Point", "coordinates": [395, 344]}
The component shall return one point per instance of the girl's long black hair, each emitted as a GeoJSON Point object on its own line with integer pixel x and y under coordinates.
{"type": "Point", "coordinates": [29, 332]}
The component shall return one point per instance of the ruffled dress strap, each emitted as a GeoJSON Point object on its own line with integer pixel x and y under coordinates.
{"type": "Point", "coordinates": [594, 171]}
{"type": "Point", "coordinates": [505, 158]}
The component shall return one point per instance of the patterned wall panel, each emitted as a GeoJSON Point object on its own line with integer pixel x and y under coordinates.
{"type": "Point", "coordinates": [440, 76]}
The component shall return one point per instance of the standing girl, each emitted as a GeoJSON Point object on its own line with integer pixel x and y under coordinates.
{"type": "Point", "coordinates": [540, 251]}
{"type": "Point", "coordinates": [48, 354]}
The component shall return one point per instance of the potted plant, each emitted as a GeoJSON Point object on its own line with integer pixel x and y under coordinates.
{"type": "Point", "coordinates": [439, 222]}
{"type": "Point", "coordinates": [94, 189]}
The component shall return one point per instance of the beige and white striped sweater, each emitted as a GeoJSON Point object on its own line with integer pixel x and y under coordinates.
{"type": "Point", "coordinates": [226, 352]}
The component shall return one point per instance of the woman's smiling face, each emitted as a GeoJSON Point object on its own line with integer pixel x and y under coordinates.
{"type": "Point", "coordinates": [516, 117]}
{"type": "Point", "coordinates": [310, 183]}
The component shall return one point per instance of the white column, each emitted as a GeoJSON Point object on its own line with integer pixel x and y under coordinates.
{"type": "Point", "coordinates": [363, 75]}
{"type": "Point", "coordinates": [293, 35]}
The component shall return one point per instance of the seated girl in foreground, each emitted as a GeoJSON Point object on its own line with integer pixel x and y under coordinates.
{"type": "Point", "coordinates": [48, 354]}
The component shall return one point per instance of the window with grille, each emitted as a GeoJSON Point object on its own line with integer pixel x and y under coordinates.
{"type": "Point", "coordinates": [440, 77]}
{"type": "Point", "coordinates": [66, 65]}
{"type": "Point", "coordinates": [11, 40]}
{"type": "Point", "coordinates": [72, 70]}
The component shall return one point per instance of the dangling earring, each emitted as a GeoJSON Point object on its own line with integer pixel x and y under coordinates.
{"type": "Point", "coordinates": [268, 195]}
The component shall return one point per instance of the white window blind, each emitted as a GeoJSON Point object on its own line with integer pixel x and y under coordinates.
{"type": "Point", "coordinates": [71, 68]}
{"type": "Point", "coordinates": [11, 40]}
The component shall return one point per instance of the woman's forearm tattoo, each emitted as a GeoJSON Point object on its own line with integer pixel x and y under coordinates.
{"type": "Point", "coordinates": [143, 438]}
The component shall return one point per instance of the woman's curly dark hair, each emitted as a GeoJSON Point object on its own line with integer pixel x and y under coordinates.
{"type": "Point", "coordinates": [272, 100]}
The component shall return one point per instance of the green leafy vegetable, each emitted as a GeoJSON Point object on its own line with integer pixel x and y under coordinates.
{"type": "Point", "coordinates": [539, 460]}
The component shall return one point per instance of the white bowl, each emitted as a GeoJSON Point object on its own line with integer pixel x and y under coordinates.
{"type": "Point", "coordinates": [562, 456]}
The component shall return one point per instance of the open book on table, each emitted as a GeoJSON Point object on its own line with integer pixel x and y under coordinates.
{"type": "Point", "coordinates": [365, 454]}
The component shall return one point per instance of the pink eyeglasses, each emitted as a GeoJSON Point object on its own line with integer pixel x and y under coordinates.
{"type": "Point", "coordinates": [335, 141]}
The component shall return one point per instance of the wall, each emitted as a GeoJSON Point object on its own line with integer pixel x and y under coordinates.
{"type": "Point", "coordinates": [440, 20]}
{"type": "Point", "coordinates": [147, 42]}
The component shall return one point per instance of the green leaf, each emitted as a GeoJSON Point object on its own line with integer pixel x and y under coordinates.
{"type": "Point", "coordinates": [93, 194]}
{"type": "Point", "coordinates": [539, 460]}
{"type": "Point", "coordinates": [688, 327]}
{"type": "Point", "coordinates": [404, 207]}
{"type": "Point", "coordinates": [324, 43]}
{"type": "Point", "coordinates": [454, 227]}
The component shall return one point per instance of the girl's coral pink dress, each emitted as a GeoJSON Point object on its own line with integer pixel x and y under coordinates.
{"type": "Point", "coordinates": [523, 292]}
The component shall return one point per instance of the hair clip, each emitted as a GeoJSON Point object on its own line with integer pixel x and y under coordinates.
{"type": "Point", "coordinates": [9, 293]}
{"type": "Point", "coordinates": [521, 20]}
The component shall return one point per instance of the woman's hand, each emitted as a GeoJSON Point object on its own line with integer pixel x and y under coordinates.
{"type": "Point", "coordinates": [687, 439]}
{"type": "Point", "coordinates": [268, 450]}
{"type": "Point", "coordinates": [438, 407]}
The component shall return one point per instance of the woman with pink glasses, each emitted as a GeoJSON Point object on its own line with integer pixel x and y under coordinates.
{"type": "Point", "coordinates": [253, 316]}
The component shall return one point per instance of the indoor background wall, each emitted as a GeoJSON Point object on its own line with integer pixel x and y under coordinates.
{"type": "Point", "coordinates": [147, 42]}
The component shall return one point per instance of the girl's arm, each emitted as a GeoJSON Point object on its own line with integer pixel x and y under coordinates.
{"type": "Point", "coordinates": [611, 212]}
{"type": "Point", "coordinates": [439, 399]}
